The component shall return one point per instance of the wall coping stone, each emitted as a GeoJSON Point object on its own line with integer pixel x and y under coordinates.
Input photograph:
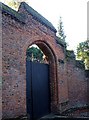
{"type": "Point", "coordinates": [38, 16]}
{"type": "Point", "coordinates": [21, 17]}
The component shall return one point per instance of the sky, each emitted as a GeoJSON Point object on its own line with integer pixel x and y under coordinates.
{"type": "Point", "coordinates": [73, 13]}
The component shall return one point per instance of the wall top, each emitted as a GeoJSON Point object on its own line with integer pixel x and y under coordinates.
{"type": "Point", "coordinates": [5, 9]}
{"type": "Point", "coordinates": [20, 17]}
{"type": "Point", "coordinates": [37, 16]}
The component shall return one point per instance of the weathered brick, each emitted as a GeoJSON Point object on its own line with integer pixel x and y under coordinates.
{"type": "Point", "coordinates": [68, 84]}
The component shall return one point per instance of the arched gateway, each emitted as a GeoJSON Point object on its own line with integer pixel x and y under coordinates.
{"type": "Point", "coordinates": [41, 79]}
{"type": "Point", "coordinates": [34, 88]}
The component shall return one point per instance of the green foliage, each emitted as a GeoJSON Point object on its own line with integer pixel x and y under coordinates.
{"type": "Point", "coordinates": [70, 55]}
{"type": "Point", "coordinates": [83, 52]}
{"type": "Point", "coordinates": [61, 34]}
{"type": "Point", "coordinates": [34, 54]}
{"type": "Point", "coordinates": [14, 3]}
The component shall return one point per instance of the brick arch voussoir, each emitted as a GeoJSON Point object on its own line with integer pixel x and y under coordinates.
{"type": "Point", "coordinates": [42, 44]}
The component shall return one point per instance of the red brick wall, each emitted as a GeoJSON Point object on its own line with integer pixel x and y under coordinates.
{"type": "Point", "coordinates": [77, 85]}
{"type": "Point", "coordinates": [16, 39]}
{"type": "Point", "coordinates": [66, 81]}
{"type": "Point", "coordinates": [13, 89]}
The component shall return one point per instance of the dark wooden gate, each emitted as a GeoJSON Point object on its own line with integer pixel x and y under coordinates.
{"type": "Point", "coordinates": [37, 89]}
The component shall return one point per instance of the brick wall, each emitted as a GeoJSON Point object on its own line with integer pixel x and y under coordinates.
{"type": "Point", "coordinates": [77, 84]}
{"type": "Point", "coordinates": [66, 80]}
{"type": "Point", "coordinates": [13, 89]}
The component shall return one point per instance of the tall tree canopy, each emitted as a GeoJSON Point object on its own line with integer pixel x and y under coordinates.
{"type": "Point", "coordinates": [61, 34]}
{"type": "Point", "coordinates": [83, 52]}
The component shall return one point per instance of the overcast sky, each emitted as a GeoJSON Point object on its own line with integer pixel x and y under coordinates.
{"type": "Point", "coordinates": [73, 13]}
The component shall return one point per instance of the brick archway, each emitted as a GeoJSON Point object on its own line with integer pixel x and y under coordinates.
{"type": "Point", "coordinates": [45, 47]}
{"type": "Point", "coordinates": [21, 29]}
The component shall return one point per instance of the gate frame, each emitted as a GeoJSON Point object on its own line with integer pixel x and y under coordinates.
{"type": "Point", "coordinates": [45, 47]}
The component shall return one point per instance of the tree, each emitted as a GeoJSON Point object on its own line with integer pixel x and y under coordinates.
{"type": "Point", "coordinates": [61, 34]}
{"type": "Point", "coordinates": [14, 3]}
{"type": "Point", "coordinates": [34, 54]}
{"type": "Point", "coordinates": [83, 52]}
